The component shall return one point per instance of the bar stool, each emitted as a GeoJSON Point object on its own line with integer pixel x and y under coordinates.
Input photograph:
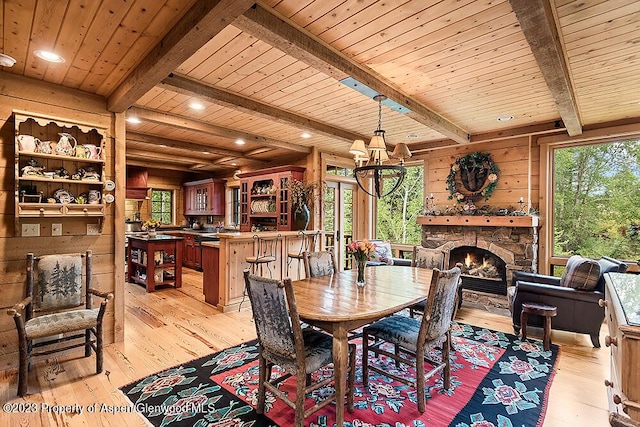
{"type": "Point", "coordinates": [308, 243]}
{"type": "Point", "coordinates": [266, 251]}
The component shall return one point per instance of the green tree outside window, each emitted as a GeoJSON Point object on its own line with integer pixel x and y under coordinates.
{"type": "Point", "coordinates": [162, 206]}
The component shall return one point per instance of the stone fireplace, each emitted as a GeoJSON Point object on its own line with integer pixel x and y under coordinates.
{"type": "Point", "coordinates": [490, 249]}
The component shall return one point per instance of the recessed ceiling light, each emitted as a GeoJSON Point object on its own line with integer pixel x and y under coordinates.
{"type": "Point", "coordinates": [206, 152]}
{"type": "Point", "coordinates": [239, 141]}
{"type": "Point", "coordinates": [234, 164]}
{"type": "Point", "coordinates": [413, 136]}
{"type": "Point", "coordinates": [196, 106]}
{"type": "Point", "coordinates": [6, 60]}
{"type": "Point", "coordinates": [305, 135]}
{"type": "Point", "coordinates": [49, 56]}
{"type": "Point", "coordinates": [134, 120]}
{"type": "Point", "coordinates": [505, 118]}
{"type": "Point", "coordinates": [162, 145]}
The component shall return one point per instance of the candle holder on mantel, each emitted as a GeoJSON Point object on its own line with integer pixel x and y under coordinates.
{"type": "Point", "coordinates": [429, 205]}
{"type": "Point", "coordinates": [521, 211]}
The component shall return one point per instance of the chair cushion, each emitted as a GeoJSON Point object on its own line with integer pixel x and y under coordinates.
{"type": "Point", "coordinates": [580, 273]}
{"type": "Point", "coordinates": [59, 282]}
{"type": "Point", "coordinates": [401, 330]}
{"type": "Point", "coordinates": [382, 253]}
{"type": "Point", "coordinates": [58, 323]}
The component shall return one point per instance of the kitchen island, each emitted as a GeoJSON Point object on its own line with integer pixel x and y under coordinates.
{"type": "Point", "coordinates": [155, 261]}
{"type": "Point", "coordinates": [223, 264]}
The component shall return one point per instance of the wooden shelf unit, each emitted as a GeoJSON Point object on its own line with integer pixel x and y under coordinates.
{"type": "Point", "coordinates": [264, 199]}
{"type": "Point", "coordinates": [33, 203]}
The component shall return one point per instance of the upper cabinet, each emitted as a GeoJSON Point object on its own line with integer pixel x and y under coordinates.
{"type": "Point", "coordinates": [136, 183]}
{"type": "Point", "coordinates": [264, 199]}
{"type": "Point", "coordinates": [59, 168]}
{"type": "Point", "coordinates": [204, 197]}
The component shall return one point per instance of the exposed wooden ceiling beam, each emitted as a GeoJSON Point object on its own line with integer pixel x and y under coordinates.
{"type": "Point", "coordinates": [201, 23]}
{"type": "Point", "coordinates": [538, 25]}
{"type": "Point", "coordinates": [163, 157]}
{"type": "Point", "coordinates": [182, 145]}
{"type": "Point", "coordinates": [157, 165]}
{"type": "Point", "coordinates": [185, 86]}
{"type": "Point", "coordinates": [207, 128]}
{"type": "Point", "coordinates": [268, 26]}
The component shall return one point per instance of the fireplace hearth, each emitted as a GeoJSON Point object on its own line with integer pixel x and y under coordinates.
{"type": "Point", "coordinates": [497, 246]}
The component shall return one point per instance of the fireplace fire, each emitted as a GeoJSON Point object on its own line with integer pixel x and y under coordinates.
{"type": "Point", "coordinates": [482, 270]}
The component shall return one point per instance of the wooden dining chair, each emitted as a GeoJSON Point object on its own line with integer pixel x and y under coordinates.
{"type": "Point", "coordinates": [319, 263]}
{"type": "Point", "coordinates": [283, 342]}
{"type": "Point", "coordinates": [425, 258]}
{"type": "Point", "coordinates": [58, 309]}
{"type": "Point", "coordinates": [412, 336]}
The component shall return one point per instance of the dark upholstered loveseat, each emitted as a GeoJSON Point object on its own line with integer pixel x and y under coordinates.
{"type": "Point", "coordinates": [578, 310]}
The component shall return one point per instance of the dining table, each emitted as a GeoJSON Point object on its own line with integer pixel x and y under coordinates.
{"type": "Point", "coordinates": [335, 304]}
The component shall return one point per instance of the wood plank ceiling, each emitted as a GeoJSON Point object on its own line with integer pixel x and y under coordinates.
{"type": "Point", "coordinates": [268, 72]}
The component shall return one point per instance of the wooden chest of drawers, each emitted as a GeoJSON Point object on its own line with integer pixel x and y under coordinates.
{"type": "Point", "coordinates": [622, 304]}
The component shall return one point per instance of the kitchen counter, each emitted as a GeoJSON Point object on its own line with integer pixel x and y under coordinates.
{"type": "Point", "coordinates": [223, 263]}
{"type": "Point", "coordinates": [157, 237]}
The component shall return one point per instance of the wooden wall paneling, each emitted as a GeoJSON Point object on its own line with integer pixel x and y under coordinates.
{"type": "Point", "coordinates": [20, 93]}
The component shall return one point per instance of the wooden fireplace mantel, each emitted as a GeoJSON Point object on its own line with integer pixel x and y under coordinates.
{"type": "Point", "coordinates": [485, 221]}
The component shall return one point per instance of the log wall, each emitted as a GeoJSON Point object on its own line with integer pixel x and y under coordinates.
{"type": "Point", "coordinates": [21, 93]}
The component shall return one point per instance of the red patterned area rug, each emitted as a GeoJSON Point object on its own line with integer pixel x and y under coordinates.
{"type": "Point", "coordinates": [497, 380]}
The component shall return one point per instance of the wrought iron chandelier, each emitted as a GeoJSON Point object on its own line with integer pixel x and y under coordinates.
{"type": "Point", "coordinates": [373, 167]}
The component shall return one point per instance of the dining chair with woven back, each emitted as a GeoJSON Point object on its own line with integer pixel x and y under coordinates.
{"type": "Point", "coordinates": [319, 263]}
{"type": "Point", "coordinates": [58, 308]}
{"type": "Point", "coordinates": [298, 351]}
{"type": "Point", "coordinates": [425, 258]}
{"type": "Point", "coordinates": [411, 336]}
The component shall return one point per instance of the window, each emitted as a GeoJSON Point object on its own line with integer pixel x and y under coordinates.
{"type": "Point", "coordinates": [397, 212]}
{"type": "Point", "coordinates": [596, 194]}
{"type": "Point", "coordinates": [162, 206]}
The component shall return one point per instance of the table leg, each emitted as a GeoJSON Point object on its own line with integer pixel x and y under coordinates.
{"type": "Point", "coordinates": [340, 363]}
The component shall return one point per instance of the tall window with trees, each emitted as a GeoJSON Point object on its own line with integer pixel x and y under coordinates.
{"type": "Point", "coordinates": [597, 200]}
{"type": "Point", "coordinates": [397, 212]}
{"type": "Point", "coordinates": [162, 206]}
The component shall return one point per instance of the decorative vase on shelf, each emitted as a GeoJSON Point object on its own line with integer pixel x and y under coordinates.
{"type": "Point", "coordinates": [301, 217]}
{"type": "Point", "coordinates": [360, 265]}
{"type": "Point", "coordinates": [152, 232]}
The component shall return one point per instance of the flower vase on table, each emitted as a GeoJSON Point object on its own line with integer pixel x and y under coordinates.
{"type": "Point", "coordinates": [152, 232]}
{"type": "Point", "coordinates": [360, 265]}
{"type": "Point", "coordinates": [361, 252]}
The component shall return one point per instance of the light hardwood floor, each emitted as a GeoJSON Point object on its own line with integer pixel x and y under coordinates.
{"type": "Point", "coordinates": [171, 326]}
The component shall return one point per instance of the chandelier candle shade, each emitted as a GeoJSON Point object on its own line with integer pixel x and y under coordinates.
{"type": "Point", "coordinates": [372, 163]}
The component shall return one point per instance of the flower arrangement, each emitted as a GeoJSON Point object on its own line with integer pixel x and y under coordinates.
{"type": "Point", "coordinates": [361, 251]}
{"type": "Point", "coordinates": [300, 193]}
{"type": "Point", "coordinates": [152, 223]}
{"type": "Point", "coordinates": [480, 166]}
{"type": "Point", "coordinates": [219, 224]}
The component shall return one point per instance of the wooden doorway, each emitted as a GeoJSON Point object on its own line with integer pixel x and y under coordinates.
{"type": "Point", "coordinates": [338, 218]}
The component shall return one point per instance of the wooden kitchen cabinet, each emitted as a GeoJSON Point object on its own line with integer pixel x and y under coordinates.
{"type": "Point", "coordinates": [204, 197]}
{"type": "Point", "coordinates": [264, 199]}
{"type": "Point", "coordinates": [191, 252]}
{"type": "Point", "coordinates": [623, 321]}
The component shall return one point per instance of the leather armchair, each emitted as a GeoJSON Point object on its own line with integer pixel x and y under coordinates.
{"type": "Point", "coordinates": [578, 310]}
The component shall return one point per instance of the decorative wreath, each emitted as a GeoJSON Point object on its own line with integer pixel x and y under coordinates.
{"type": "Point", "coordinates": [475, 170]}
